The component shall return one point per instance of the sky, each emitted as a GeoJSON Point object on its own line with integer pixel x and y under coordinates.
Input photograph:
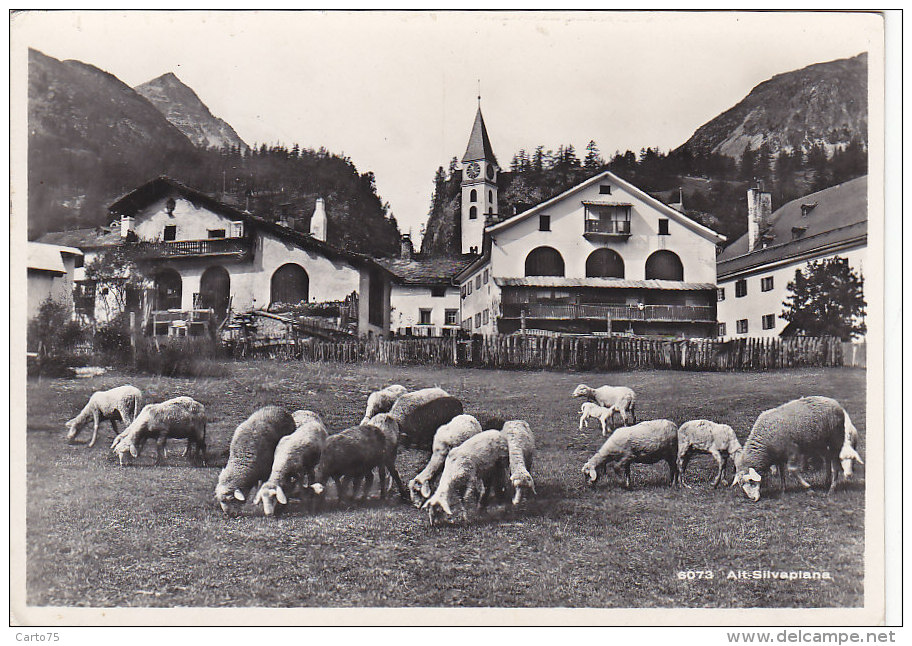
{"type": "Point", "coordinates": [397, 92]}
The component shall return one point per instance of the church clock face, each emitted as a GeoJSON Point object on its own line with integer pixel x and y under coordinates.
{"type": "Point", "coordinates": [490, 172]}
{"type": "Point", "coordinates": [473, 170]}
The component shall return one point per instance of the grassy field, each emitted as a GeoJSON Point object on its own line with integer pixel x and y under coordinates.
{"type": "Point", "coordinates": [102, 535]}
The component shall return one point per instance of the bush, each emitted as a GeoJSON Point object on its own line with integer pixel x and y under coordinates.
{"type": "Point", "coordinates": [52, 332]}
{"type": "Point", "coordinates": [181, 357]}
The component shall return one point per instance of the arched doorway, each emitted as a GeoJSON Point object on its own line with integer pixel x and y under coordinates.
{"type": "Point", "coordinates": [544, 261]}
{"type": "Point", "coordinates": [604, 263]}
{"type": "Point", "coordinates": [290, 285]}
{"type": "Point", "coordinates": [215, 290]}
{"type": "Point", "coordinates": [664, 265]}
{"type": "Point", "coordinates": [168, 290]}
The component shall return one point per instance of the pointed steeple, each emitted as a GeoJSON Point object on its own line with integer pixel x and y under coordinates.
{"type": "Point", "coordinates": [479, 145]}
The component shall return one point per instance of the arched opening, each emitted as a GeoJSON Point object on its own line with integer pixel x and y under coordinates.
{"type": "Point", "coordinates": [473, 212]}
{"type": "Point", "coordinates": [168, 290]}
{"type": "Point", "coordinates": [490, 196]}
{"type": "Point", "coordinates": [290, 285]}
{"type": "Point", "coordinates": [473, 196]}
{"type": "Point", "coordinates": [544, 261]}
{"type": "Point", "coordinates": [664, 265]}
{"type": "Point", "coordinates": [604, 263]}
{"type": "Point", "coordinates": [215, 290]}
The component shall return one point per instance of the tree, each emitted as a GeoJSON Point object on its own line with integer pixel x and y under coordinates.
{"type": "Point", "coordinates": [826, 299]}
{"type": "Point", "coordinates": [593, 159]}
{"type": "Point", "coordinates": [117, 278]}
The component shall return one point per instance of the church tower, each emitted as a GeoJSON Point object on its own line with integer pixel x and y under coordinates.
{"type": "Point", "coordinates": [479, 185]}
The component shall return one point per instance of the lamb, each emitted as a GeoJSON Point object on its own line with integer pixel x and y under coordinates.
{"type": "Point", "coordinates": [181, 417]}
{"type": "Point", "coordinates": [477, 465]}
{"type": "Point", "coordinates": [447, 437]}
{"type": "Point", "coordinates": [521, 449]}
{"type": "Point", "coordinates": [295, 457]}
{"type": "Point", "coordinates": [623, 399]}
{"type": "Point", "coordinates": [420, 413]}
{"type": "Point", "coordinates": [849, 453]}
{"type": "Point", "coordinates": [382, 401]}
{"type": "Point", "coordinates": [251, 453]}
{"type": "Point", "coordinates": [601, 413]}
{"type": "Point", "coordinates": [703, 436]}
{"type": "Point", "coordinates": [123, 403]}
{"type": "Point", "coordinates": [783, 436]}
{"type": "Point", "coordinates": [645, 443]}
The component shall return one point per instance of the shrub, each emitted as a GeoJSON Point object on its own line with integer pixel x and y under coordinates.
{"type": "Point", "coordinates": [53, 336]}
{"type": "Point", "coordinates": [180, 357]}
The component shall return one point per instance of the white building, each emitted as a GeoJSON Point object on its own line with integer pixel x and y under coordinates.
{"type": "Point", "coordinates": [755, 270]}
{"type": "Point", "coordinates": [51, 271]}
{"type": "Point", "coordinates": [601, 257]}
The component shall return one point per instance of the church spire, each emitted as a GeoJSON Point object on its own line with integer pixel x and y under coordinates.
{"type": "Point", "coordinates": [479, 145]}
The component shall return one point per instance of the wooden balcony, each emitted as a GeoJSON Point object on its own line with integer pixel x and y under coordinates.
{"type": "Point", "coordinates": [582, 311]}
{"type": "Point", "coordinates": [606, 229]}
{"type": "Point", "coordinates": [240, 248]}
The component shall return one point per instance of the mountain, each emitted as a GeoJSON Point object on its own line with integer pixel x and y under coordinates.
{"type": "Point", "coordinates": [184, 109]}
{"type": "Point", "coordinates": [825, 103]}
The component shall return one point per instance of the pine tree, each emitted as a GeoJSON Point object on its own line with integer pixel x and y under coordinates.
{"type": "Point", "coordinates": [826, 299]}
{"type": "Point", "coordinates": [593, 160]}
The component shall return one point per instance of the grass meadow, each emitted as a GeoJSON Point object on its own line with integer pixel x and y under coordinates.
{"type": "Point", "coordinates": [103, 535]}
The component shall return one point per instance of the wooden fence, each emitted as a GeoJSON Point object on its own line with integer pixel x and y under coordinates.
{"type": "Point", "coordinates": [577, 353]}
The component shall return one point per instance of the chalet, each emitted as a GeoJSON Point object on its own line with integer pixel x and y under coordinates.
{"type": "Point", "coordinates": [204, 255]}
{"type": "Point", "coordinates": [51, 271]}
{"type": "Point", "coordinates": [753, 273]}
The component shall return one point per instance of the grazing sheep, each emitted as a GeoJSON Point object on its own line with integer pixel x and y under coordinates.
{"type": "Point", "coordinates": [783, 436]}
{"type": "Point", "coordinates": [447, 437]}
{"type": "Point", "coordinates": [521, 449]}
{"type": "Point", "coordinates": [703, 436]}
{"type": "Point", "coordinates": [181, 418]}
{"type": "Point", "coordinates": [623, 399]}
{"type": "Point", "coordinates": [593, 411]}
{"type": "Point", "coordinates": [382, 401]}
{"type": "Point", "coordinates": [645, 443]}
{"type": "Point", "coordinates": [295, 457]}
{"type": "Point", "coordinates": [122, 402]}
{"type": "Point", "coordinates": [477, 465]}
{"type": "Point", "coordinates": [251, 453]}
{"type": "Point", "coordinates": [489, 422]}
{"type": "Point", "coordinates": [420, 413]}
{"type": "Point", "coordinates": [849, 451]}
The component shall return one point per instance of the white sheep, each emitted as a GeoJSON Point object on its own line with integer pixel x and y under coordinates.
{"type": "Point", "coordinates": [849, 451]}
{"type": "Point", "coordinates": [447, 437]}
{"type": "Point", "coordinates": [180, 418]}
{"type": "Point", "coordinates": [251, 453]}
{"type": "Point", "coordinates": [295, 457]}
{"type": "Point", "coordinates": [382, 401]}
{"type": "Point", "coordinates": [645, 443]}
{"type": "Point", "coordinates": [603, 414]}
{"type": "Point", "coordinates": [703, 436]}
{"type": "Point", "coordinates": [521, 449]}
{"type": "Point", "coordinates": [122, 402]}
{"type": "Point", "coordinates": [475, 467]}
{"type": "Point", "coordinates": [784, 436]}
{"type": "Point", "coordinates": [623, 399]}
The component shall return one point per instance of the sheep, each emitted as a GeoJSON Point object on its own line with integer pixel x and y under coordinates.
{"type": "Point", "coordinates": [447, 437]}
{"type": "Point", "coordinates": [602, 414]}
{"type": "Point", "coordinates": [181, 417]}
{"type": "Point", "coordinates": [382, 401]}
{"type": "Point", "coordinates": [295, 457]}
{"type": "Point", "coordinates": [521, 449]}
{"type": "Point", "coordinates": [477, 465]}
{"type": "Point", "coordinates": [783, 436]}
{"type": "Point", "coordinates": [251, 453]}
{"type": "Point", "coordinates": [122, 402]}
{"type": "Point", "coordinates": [645, 443]}
{"type": "Point", "coordinates": [849, 453]}
{"type": "Point", "coordinates": [420, 413]}
{"type": "Point", "coordinates": [703, 436]}
{"type": "Point", "coordinates": [623, 399]}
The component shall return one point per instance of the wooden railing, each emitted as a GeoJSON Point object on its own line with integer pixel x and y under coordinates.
{"type": "Point", "coordinates": [210, 247]}
{"type": "Point", "coordinates": [609, 227]}
{"type": "Point", "coordinates": [571, 311]}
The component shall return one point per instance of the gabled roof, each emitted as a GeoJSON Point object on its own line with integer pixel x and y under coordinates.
{"type": "Point", "coordinates": [48, 257]}
{"type": "Point", "coordinates": [673, 214]}
{"type": "Point", "coordinates": [819, 221]}
{"type": "Point", "coordinates": [420, 270]}
{"type": "Point", "coordinates": [93, 238]}
{"type": "Point", "coordinates": [479, 145]}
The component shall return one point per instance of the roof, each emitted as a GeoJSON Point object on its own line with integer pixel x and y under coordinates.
{"type": "Point", "coordinates": [479, 145]}
{"type": "Point", "coordinates": [92, 238]}
{"type": "Point", "coordinates": [617, 283]}
{"type": "Point", "coordinates": [48, 257]}
{"type": "Point", "coordinates": [675, 215]}
{"type": "Point", "coordinates": [427, 271]}
{"type": "Point", "coordinates": [819, 222]}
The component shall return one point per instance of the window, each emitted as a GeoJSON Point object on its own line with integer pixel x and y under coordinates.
{"type": "Point", "coordinates": [468, 288]}
{"type": "Point", "coordinates": [216, 233]}
{"type": "Point", "coordinates": [607, 219]}
{"type": "Point", "coordinates": [544, 223]}
{"type": "Point", "coordinates": [766, 284]}
{"type": "Point", "coordinates": [473, 213]}
{"type": "Point", "coordinates": [769, 321]}
{"type": "Point", "coordinates": [490, 197]}
{"type": "Point", "coordinates": [478, 281]}
{"type": "Point", "coordinates": [478, 320]}
{"type": "Point", "coordinates": [740, 288]}
{"type": "Point", "coordinates": [467, 324]}
{"type": "Point", "coordinates": [721, 329]}
{"type": "Point", "coordinates": [424, 317]}
{"type": "Point", "coordinates": [170, 232]}
{"type": "Point", "coordinates": [449, 317]}
{"type": "Point", "coordinates": [438, 292]}
{"type": "Point", "coordinates": [742, 326]}
{"type": "Point", "coordinates": [605, 189]}
{"type": "Point", "coordinates": [462, 292]}
{"type": "Point", "coordinates": [484, 317]}
{"type": "Point", "coordinates": [473, 196]}
{"type": "Point", "coordinates": [720, 294]}
{"type": "Point", "coordinates": [663, 227]}
{"type": "Point", "coordinates": [485, 279]}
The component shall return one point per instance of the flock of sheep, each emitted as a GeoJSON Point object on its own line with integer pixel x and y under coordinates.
{"type": "Point", "coordinates": [275, 456]}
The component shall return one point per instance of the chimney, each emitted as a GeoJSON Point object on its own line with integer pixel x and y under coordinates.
{"type": "Point", "coordinates": [759, 209]}
{"type": "Point", "coordinates": [318, 221]}
{"type": "Point", "coordinates": [406, 249]}
{"type": "Point", "coordinates": [126, 225]}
